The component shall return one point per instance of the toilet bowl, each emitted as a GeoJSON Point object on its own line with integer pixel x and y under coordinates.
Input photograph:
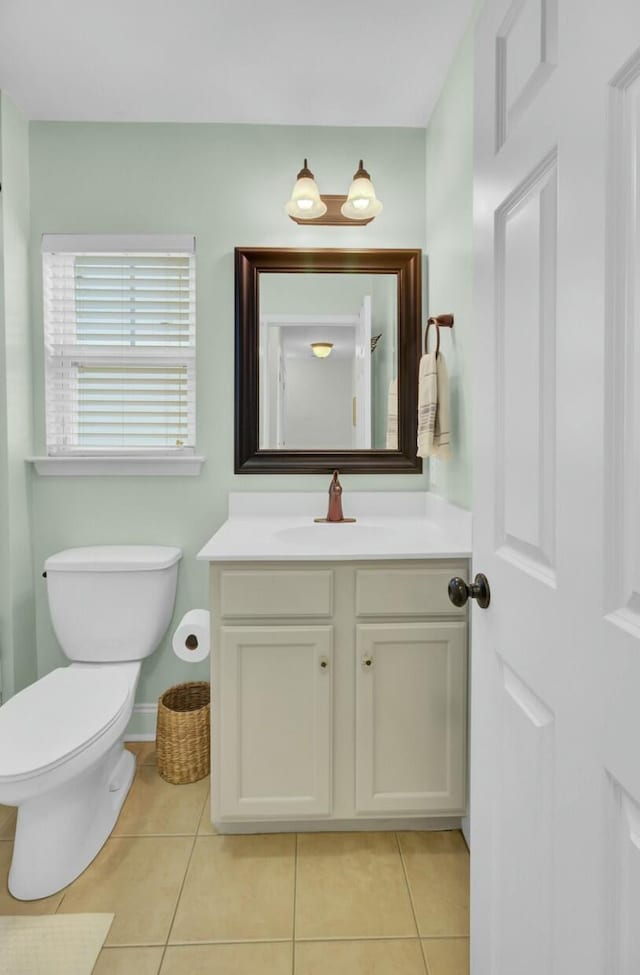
{"type": "Point", "coordinates": [62, 757]}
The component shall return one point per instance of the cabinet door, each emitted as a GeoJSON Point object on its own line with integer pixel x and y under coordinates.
{"type": "Point", "coordinates": [411, 717]}
{"type": "Point", "coordinates": [275, 721]}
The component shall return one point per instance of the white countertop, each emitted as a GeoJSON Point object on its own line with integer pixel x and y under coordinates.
{"type": "Point", "coordinates": [390, 525]}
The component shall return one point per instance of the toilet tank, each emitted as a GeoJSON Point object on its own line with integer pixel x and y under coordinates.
{"type": "Point", "coordinates": [111, 602]}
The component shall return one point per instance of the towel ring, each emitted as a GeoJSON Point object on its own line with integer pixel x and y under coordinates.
{"type": "Point", "coordinates": [445, 320]}
{"type": "Point", "coordinates": [431, 322]}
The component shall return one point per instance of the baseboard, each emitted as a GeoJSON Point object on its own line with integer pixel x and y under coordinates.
{"type": "Point", "coordinates": [466, 831]}
{"type": "Point", "coordinates": [142, 725]}
{"type": "Point", "coordinates": [341, 825]}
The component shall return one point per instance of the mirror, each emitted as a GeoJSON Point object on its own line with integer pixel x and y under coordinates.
{"type": "Point", "coordinates": [328, 355]}
{"type": "Point", "coordinates": [327, 350]}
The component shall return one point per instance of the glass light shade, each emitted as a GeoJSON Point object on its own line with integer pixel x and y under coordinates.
{"type": "Point", "coordinates": [305, 202]}
{"type": "Point", "coordinates": [321, 349]}
{"type": "Point", "coordinates": [361, 200]}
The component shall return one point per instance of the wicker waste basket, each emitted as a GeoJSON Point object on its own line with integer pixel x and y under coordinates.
{"type": "Point", "coordinates": [182, 732]}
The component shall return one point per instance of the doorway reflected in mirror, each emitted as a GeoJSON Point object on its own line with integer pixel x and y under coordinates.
{"type": "Point", "coordinates": [328, 360]}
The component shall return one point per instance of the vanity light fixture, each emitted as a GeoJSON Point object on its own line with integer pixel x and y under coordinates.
{"type": "Point", "coordinates": [305, 199]}
{"type": "Point", "coordinates": [359, 207]}
{"type": "Point", "coordinates": [321, 349]}
{"type": "Point", "coordinates": [361, 199]}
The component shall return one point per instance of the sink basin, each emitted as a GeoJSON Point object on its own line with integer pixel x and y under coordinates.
{"type": "Point", "coordinates": [279, 527]}
{"type": "Point", "coordinates": [322, 533]}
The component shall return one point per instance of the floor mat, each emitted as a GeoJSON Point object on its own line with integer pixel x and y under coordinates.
{"type": "Point", "coordinates": [52, 944]}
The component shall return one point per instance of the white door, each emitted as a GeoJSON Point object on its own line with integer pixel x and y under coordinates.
{"type": "Point", "coordinates": [555, 735]}
{"type": "Point", "coordinates": [362, 378]}
{"type": "Point", "coordinates": [275, 697]}
{"type": "Point", "coordinates": [411, 698]}
{"type": "Point", "coordinates": [281, 421]}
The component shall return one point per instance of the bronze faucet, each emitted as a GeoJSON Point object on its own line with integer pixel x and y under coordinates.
{"type": "Point", "coordinates": [334, 514]}
{"type": "Point", "coordinates": [335, 499]}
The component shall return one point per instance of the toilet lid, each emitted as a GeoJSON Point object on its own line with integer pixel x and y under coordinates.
{"type": "Point", "coordinates": [60, 714]}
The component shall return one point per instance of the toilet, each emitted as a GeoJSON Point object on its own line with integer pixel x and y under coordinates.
{"type": "Point", "coordinates": [62, 757]}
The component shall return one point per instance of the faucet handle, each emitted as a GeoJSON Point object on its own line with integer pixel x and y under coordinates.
{"type": "Point", "coordinates": [334, 514]}
{"type": "Point", "coordinates": [335, 500]}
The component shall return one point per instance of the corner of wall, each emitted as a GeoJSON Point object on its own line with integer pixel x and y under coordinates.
{"type": "Point", "coordinates": [17, 607]}
{"type": "Point", "coordinates": [449, 247]}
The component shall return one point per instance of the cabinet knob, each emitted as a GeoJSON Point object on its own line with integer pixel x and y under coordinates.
{"type": "Point", "coordinates": [367, 661]}
{"type": "Point", "coordinates": [324, 663]}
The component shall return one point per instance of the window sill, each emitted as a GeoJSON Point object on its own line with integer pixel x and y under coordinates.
{"type": "Point", "coordinates": [183, 466]}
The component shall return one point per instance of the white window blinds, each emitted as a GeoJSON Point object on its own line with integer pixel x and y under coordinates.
{"type": "Point", "coordinates": [120, 346]}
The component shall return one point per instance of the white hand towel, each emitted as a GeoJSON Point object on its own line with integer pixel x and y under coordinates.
{"type": "Point", "coordinates": [433, 407]}
{"type": "Point", "coordinates": [392, 415]}
{"type": "Point", "coordinates": [442, 436]}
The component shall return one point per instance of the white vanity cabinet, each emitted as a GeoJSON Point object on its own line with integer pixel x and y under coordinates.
{"type": "Point", "coordinates": [275, 720]}
{"type": "Point", "coordinates": [339, 693]}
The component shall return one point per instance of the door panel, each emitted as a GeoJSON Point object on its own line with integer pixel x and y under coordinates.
{"type": "Point", "coordinates": [410, 717]}
{"type": "Point", "coordinates": [623, 880]}
{"type": "Point", "coordinates": [619, 635]}
{"type": "Point", "coordinates": [525, 58]}
{"type": "Point", "coordinates": [362, 377]}
{"type": "Point", "coordinates": [622, 453]}
{"type": "Point", "coordinates": [275, 696]}
{"type": "Point", "coordinates": [524, 822]}
{"type": "Point", "coordinates": [525, 267]}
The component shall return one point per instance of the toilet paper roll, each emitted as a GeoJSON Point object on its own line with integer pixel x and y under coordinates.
{"type": "Point", "coordinates": [191, 640]}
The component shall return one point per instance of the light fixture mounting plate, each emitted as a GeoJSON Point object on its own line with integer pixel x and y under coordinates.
{"type": "Point", "coordinates": [333, 217]}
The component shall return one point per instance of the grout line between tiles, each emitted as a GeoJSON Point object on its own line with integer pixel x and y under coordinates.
{"type": "Point", "coordinates": [413, 910]}
{"type": "Point", "coordinates": [283, 941]}
{"type": "Point", "coordinates": [206, 796]}
{"type": "Point", "coordinates": [232, 941]}
{"type": "Point", "coordinates": [175, 910]}
{"type": "Point", "coordinates": [295, 899]}
{"type": "Point", "coordinates": [286, 941]}
{"type": "Point", "coordinates": [144, 836]}
{"type": "Point", "coordinates": [369, 937]}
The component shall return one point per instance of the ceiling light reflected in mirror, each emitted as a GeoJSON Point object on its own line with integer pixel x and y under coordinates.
{"type": "Point", "coordinates": [322, 349]}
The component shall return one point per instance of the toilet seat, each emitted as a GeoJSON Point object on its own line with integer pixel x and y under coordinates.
{"type": "Point", "coordinates": [60, 715]}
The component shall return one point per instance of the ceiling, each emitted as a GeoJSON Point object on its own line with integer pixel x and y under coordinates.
{"type": "Point", "coordinates": [287, 62]}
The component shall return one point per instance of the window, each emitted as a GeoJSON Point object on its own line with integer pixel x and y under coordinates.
{"type": "Point", "coordinates": [119, 326]}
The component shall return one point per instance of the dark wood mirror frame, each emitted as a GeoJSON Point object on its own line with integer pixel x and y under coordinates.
{"type": "Point", "coordinates": [250, 263]}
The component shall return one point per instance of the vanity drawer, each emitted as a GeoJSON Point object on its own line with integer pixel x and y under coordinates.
{"type": "Point", "coordinates": [407, 592]}
{"type": "Point", "coordinates": [263, 593]}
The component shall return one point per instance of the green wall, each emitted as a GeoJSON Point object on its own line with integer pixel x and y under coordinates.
{"type": "Point", "coordinates": [227, 185]}
{"type": "Point", "coordinates": [449, 245]}
{"type": "Point", "coordinates": [17, 629]}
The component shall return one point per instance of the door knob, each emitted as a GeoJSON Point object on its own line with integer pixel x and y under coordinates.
{"type": "Point", "coordinates": [459, 591]}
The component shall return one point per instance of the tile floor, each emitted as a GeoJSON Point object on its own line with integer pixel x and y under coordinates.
{"type": "Point", "coordinates": [190, 902]}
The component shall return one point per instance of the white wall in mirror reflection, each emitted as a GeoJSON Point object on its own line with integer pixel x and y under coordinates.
{"type": "Point", "coordinates": [339, 402]}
